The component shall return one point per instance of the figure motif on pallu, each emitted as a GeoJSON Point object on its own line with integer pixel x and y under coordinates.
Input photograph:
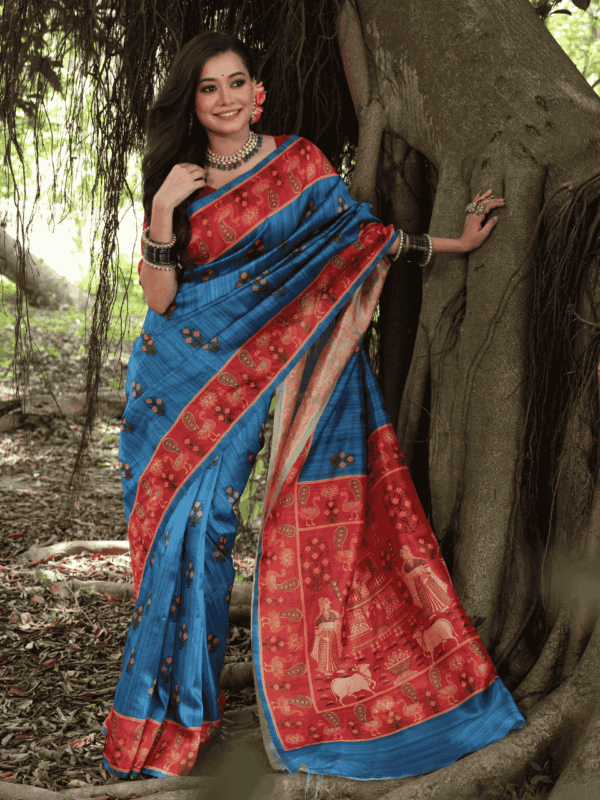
{"type": "Point", "coordinates": [366, 664]}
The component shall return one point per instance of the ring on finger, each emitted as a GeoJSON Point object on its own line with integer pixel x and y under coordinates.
{"type": "Point", "coordinates": [474, 208]}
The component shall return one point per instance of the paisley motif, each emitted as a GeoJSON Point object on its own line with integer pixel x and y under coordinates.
{"type": "Point", "coordinates": [189, 422]}
{"type": "Point", "coordinates": [202, 253]}
{"type": "Point", "coordinates": [295, 184]}
{"type": "Point", "coordinates": [333, 718]}
{"type": "Point", "coordinates": [293, 614]}
{"type": "Point", "coordinates": [171, 444]}
{"type": "Point", "coordinates": [296, 671]}
{"type": "Point", "coordinates": [228, 380]}
{"type": "Point", "coordinates": [246, 359]}
{"type": "Point", "coordinates": [303, 493]}
{"type": "Point", "coordinates": [287, 530]}
{"type": "Point", "coordinates": [339, 537]}
{"type": "Point", "coordinates": [227, 233]}
{"type": "Point", "coordinates": [300, 700]}
{"type": "Point", "coordinates": [289, 586]}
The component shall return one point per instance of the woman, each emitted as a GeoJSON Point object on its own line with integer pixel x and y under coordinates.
{"type": "Point", "coordinates": [279, 273]}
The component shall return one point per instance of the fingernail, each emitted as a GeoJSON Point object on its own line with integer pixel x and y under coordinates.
{"type": "Point", "coordinates": [495, 219]}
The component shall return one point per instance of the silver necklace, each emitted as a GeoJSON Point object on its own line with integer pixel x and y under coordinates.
{"type": "Point", "coordinates": [246, 152]}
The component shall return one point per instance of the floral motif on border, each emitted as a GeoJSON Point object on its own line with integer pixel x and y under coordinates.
{"type": "Point", "coordinates": [167, 747]}
{"type": "Point", "coordinates": [353, 646]}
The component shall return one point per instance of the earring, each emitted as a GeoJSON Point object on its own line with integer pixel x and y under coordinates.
{"type": "Point", "coordinates": [191, 123]}
{"type": "Point", "coordinates": [259, 99]}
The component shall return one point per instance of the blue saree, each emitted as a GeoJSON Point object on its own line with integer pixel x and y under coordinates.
{"type": "Point", "coordinates": [366, 665]}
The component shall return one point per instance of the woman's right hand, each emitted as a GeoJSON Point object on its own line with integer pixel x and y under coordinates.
{"type": "Point", "coordinates": [182, 181]}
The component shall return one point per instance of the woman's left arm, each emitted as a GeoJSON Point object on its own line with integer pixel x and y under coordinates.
{"type": "Point", "coordinates": [474, 233]}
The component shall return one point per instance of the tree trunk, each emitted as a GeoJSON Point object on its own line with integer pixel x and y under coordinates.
{"type": "Point", "coordinates": [43, 286]}
{"type": "Point", "coordinates": [483, 92]}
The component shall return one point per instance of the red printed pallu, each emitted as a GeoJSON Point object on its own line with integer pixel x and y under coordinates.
{"type": "Point", "coordinates": [366, 665]}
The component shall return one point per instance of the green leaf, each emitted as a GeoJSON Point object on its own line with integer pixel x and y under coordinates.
{"type": "Point", "coordinates": [259, 467]}
{"type": "Point", "coordinates": [255, 511]}
{"type": "Point", "coordinates": [244, 509]}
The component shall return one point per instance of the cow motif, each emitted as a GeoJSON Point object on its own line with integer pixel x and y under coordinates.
{"type": "Point", "coordinates": [437, 634]}
{"type": "Point", "coordinates": [348, 687]}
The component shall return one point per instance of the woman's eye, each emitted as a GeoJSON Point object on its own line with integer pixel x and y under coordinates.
{"type": "Point", "coordinates": [205, 89]}
{"type": "Point", "coordinates": [241, 82]}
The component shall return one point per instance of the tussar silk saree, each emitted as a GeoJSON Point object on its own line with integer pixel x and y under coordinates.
{"type": "Point", "coordinates": [366, 665]}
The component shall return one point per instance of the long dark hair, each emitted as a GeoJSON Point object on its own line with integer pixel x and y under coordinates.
{"type": "Point", "coordinates": [167, 124]}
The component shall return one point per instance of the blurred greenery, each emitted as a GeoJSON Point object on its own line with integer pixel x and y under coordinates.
{"type": "Point", "coordinates": [249, 508]}
{"type": "Point", "coordinates": [577, 31]}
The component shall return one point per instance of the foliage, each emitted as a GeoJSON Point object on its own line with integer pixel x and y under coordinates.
{"type": "Point", "coordinates": [579, 36]}
{"type": "Point", "coordinates": [546, 8]}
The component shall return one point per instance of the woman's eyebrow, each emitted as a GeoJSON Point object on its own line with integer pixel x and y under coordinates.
{"type": "Point", "coordinates": [214, 79]}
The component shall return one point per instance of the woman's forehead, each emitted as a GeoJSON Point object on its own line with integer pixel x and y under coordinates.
{"type": "Point", "coordinates": [223, 65]}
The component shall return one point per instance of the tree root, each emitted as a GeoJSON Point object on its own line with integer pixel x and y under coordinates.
{"type": "Point", "coordinates": [540, 678]}
{"type": "Point", "coordinates": [37, 554]}
{"type": "Point", "coordinates": [165, 788]}
{"type": "Point", "coordinates": [414, 392]}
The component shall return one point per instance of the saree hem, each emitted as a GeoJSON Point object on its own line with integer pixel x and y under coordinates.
{"type": "Point", "coordinates": [416, 754]}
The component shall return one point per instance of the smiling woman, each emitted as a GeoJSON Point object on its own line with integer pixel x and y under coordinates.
{"type": "Point", "coordinates": [262, 278]}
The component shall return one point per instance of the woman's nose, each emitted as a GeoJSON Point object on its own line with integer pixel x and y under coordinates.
{"type": "Point", "coordinates": [225, 97]}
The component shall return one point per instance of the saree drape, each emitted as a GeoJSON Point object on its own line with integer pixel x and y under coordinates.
{"type": "Point", "coordinates": [366, 665]}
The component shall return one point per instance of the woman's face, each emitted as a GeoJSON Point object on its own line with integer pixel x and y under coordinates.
{"type": "Point", "coordinates": [224, 95]}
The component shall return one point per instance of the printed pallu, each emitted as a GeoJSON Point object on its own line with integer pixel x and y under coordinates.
{"type": "Point", "coordinates": [366, 665]}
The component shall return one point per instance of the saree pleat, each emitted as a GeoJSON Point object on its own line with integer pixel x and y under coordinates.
{"type": "Point", "coordinates": [364, 658]}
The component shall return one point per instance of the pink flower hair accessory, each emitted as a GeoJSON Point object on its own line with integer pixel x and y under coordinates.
{"type": "Point", "coordinates": [259, 99]}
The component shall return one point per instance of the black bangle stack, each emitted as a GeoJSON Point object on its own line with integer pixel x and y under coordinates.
{"type": "Point", "coordinates": [158, 254]}
{"type": "Point", "coordinates": [418, 248]}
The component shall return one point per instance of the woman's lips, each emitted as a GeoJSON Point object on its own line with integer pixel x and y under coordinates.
{"type": "Point", "coordinates": [228, 114]}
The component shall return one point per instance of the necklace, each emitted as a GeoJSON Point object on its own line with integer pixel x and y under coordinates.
{"type": "Point", "coordinates": [251, 147]}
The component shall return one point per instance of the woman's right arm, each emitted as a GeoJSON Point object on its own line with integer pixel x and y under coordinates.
{"type": "Point", "coordinates": [160, 286]}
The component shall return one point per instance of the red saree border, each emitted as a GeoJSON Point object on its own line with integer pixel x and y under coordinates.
{"type": "Point", "coordinates": [166, 747]}
{"type": "Point", "coordinates": [318, 683]}
{"type": "Point", "coordinates": [223, 401]}
{"type": "Point", "coordinates": [253, 201]}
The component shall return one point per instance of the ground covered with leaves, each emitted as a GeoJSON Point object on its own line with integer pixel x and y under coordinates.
{"type": "Point", "coordinates": [61, 647]}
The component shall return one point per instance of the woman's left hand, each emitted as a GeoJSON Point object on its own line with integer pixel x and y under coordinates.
{"type": "Point", "coordinates": [476, 228]}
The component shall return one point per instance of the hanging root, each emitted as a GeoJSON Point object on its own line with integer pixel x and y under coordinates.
{"type": "Point", "coordinates": [123, 55]}
{"type": "Point", "coordinates": [416, 383]}
{"type": "Point", "coordinates": [563, 354]}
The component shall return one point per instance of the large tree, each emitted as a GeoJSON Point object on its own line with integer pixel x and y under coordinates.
{"type": "Point", "coordinates": [489, 362]}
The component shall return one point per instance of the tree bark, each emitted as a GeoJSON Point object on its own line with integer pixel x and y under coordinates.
{"type": "Point", "coordinates": [484, 93]}
{"type": "Point", "coordinates": [43, 286]}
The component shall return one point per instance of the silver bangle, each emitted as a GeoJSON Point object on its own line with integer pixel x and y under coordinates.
{"type": "Point", "coordinates": [152, 243]}
{"type": "Point", "coordinates": [429, 251]}
{"type": "Point", "coordinates": [402, 236]}
{"type": "Point", "coordinates": [170, 268]}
